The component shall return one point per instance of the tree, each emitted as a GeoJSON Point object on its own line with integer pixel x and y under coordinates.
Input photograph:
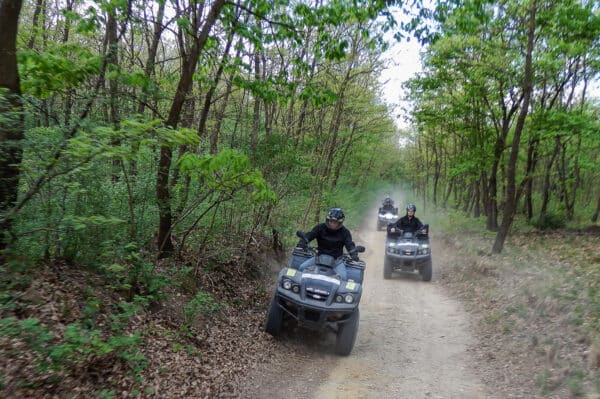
{"type": "Point", "coordinates": [510, 203]}
{"type": "Point", "coordinates": [11, 117]}
{"type": "Point", "coordinates": [163, 195]}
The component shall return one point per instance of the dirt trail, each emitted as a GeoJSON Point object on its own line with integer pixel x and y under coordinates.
{"type": "Point", "coordinates": [413, 342]}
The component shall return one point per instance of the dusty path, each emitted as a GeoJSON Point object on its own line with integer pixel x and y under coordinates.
{"type": "Point", "coordinates": [413, 342]}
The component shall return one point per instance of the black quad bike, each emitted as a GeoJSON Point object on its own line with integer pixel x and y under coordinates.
{"type": "Point", "coordinates": [408, 251]}
{"type": "Point", "coordinates": [317, 298]}
{"type": "Point", "coordinates": [386, 216]}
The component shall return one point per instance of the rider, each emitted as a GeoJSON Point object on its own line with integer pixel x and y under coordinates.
{"type": "Point", "coordinates": [388, 203]}
{"type": "Point", "coordinates": [332, 236]}
{"type": "Point", "coordinates": [408, 222]}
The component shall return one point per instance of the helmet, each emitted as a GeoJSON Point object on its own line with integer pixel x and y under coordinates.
{"type": "Point", "coordinates": [335, 215]}
{"type": "Point", "coordinates": [411, 207]}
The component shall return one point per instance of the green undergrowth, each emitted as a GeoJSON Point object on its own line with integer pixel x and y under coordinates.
{"type": "Point", "coordinates": [64, 327]}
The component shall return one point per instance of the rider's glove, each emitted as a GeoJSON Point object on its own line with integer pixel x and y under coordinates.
{"type": "Point", "coordinates": [301, 244]}
{"type": "Point", "coordinates": [354, 257]}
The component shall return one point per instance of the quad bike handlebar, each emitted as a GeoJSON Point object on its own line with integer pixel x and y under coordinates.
{"type": "Point", "coordinates": [315, 251]}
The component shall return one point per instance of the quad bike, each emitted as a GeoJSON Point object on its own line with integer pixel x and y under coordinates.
{"type": "Point", "coordinates": [408, 251]}
{"type": "Point", "coordinates": [317, 298]}
{"type": "Point", "coordinates": [386, 216]}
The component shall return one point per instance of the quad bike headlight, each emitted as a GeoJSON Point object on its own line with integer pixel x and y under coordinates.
{"type": "Point", "coordinates": [339, 298]}
{"type": "Point", "coordinates": [348, 298]}
{"type": "Point", "coordinates": [287, 284]}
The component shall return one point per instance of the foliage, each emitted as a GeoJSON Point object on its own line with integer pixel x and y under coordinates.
{"type": "Point", "coordinates": [549, 220]}
{"type": "Point", "coordinates": [136, 276]}
{"type": "Point", "coordinates": [60, 67]}
{"type": "Point", "coordinates": [76, 344]}
{"type": "Point", "coordinates": [202, 304]}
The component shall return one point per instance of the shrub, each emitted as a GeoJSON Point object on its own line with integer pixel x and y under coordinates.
{"type": "Point", "coordinates": [201, 304]}
{"type": "Point", "coordinates": [549, 221]}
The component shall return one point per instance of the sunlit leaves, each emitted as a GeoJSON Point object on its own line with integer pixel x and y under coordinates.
{"type": "Point", "coordinates": [83, 222]}
{"type": "Point", "coordinates": [59, 68]}
{"type": "Point", "coordinates": [227, 172]}
{"type": "Point", "coordinates": [318, 95]}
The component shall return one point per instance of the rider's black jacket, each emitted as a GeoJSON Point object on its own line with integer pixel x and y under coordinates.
{"type": "Point", "coordinates": [407, 224]}
{"type": "Point", "coordinates": [330, 242]}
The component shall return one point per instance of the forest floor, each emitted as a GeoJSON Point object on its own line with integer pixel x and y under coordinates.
{"type": "Point", "coordinates": [516, 325]}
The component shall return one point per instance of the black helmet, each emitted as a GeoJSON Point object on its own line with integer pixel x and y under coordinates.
{"type": "Point", "coordinates": [336, 215]}
{"type": "Point", "coordinates": [411, 207]}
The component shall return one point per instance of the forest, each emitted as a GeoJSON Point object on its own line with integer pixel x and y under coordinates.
{"type": "Point", "coordinates": [153, 147]}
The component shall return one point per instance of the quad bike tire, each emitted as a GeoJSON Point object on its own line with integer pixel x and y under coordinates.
{"type": "Point", "coordinates": [274, 322]}
{"type": "Point", "coordinates": [346, 336]}
{"type": "Point", "coordinates": [387, 269]}
{"type": "Point", "coordinates": [427, 270]}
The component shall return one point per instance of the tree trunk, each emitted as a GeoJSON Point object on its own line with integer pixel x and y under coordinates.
{"type": "Point", "coordinates": [152, 51]}
{"type": "Point", "coordinates": [532, 159]}
{"type": "Point", "coordinates": [112, 58]}
{"type": "Point", "coordinates": [547, 177]}
{"type": "Point", "coordinates": [35, 28]}
{"type": "Point", "coordinates": [256, 99]}
{"type": "Point", "coordinates": [597, 212]}
{"type": "Point", "coordinates": [11, 122]}
{"type": "Point", "coordinates": [210, 94]}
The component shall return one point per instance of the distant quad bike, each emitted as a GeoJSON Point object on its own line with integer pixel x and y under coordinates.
{"type": "Point", "coordinates": [386, 216]}
{"type": "Point", "coordinates": [408, 251]}
{"type": "Point", "coordinates": [317, 298]}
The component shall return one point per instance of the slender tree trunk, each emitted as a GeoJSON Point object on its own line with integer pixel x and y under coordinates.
{"type": "Point", "coordinates": [35, 28]}
{"type": "Point", "coordinates": [211, 92]}
{"type": "Point", "coordinates": [597, 212]}
{"type": "Point", "coordinates": [112, 57]}
{"type": "Point", "coordinates": [448, 192]}
{"type": "Point", "coordinates": [11, 122]}
{"type": "Point", "coordinates": [70, 91]}
{"type": "Point", "coordinates": [340, 162]}
{"type": "Point", "coordinates": [547, 177]}
{"type": "Point", "coordinates": [152, 51]}
{"type": "Point", "coordinates": [532, 159]}
{"type": "Point", "coordinates": [163, 195]}
{"type": "Point", "coordinates": [569, 180]}
{"type": "Point", "coordinates": [477, 200]}
{"type": "Point", "coordinates": [256, 99]}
